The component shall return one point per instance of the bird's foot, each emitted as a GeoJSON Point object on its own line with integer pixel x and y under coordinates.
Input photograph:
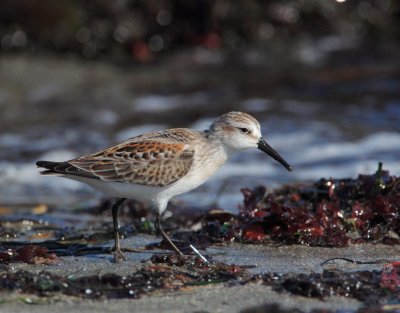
{"type": "Point", "coordinates": [118, 256]}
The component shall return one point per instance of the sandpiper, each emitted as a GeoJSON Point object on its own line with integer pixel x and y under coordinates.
{"type": "Point", "coordinates": [154, 167]}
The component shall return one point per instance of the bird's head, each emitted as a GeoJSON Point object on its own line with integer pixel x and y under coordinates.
{"type": "Point", "coordinates": [239, 131]}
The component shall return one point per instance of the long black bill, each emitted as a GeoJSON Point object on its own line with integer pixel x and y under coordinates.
{"type": "Point", "coordinates": [263, 146]}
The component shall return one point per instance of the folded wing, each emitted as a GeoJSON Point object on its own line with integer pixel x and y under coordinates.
{"type": "Point", "coordinates": [146, 162]}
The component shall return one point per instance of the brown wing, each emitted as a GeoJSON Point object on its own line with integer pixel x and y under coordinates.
{"type": "Point", "coordinates": [146, 162]}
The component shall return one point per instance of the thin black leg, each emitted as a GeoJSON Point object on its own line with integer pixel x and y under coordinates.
{"type": "Point", "coordinates": [160, 230]}
{"type": "Point", "coordinates": [118, 255]}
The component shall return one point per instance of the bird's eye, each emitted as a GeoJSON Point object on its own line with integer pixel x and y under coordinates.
{"type": "Point", "coordinates": [244, 130]}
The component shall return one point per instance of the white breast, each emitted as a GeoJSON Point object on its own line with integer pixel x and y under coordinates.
{"type": "Point", "coordinates": [204, 166]}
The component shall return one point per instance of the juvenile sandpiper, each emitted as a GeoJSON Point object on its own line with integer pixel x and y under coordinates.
{"type": "Point", "coordinates": [154, 167]}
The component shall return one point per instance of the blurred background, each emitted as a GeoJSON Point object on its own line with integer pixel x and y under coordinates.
{"type": "Point", "coordinates": [323, 78]}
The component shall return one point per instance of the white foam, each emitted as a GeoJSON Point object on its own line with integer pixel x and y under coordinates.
{"type": "Point", "coordinates": [58, 155]}
{"type": "Point", "coordinates": [164, 103]}
{"type": "Point", "coordinates": [28, 174]}
{"type": "Point", "coordinates": [376, 143]}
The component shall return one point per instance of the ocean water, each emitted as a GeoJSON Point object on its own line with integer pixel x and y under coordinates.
{"type": "Point", "coordinates": [324, 124]}
{"type": "Point", "coordinates": [315, 142]}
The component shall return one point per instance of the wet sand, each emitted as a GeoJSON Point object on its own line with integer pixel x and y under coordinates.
{"type": "Point", "coordinates": [210, 298]}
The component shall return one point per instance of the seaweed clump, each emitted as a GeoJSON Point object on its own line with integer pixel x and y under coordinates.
{"type": "Point", "coordinates": [369, 287]}
{"type": "Point", "coordinates": [31, 254]}
{"type": "Point", "coordinates": [328, 213]}
{"type": "Point", "coordinates": [160, 274]}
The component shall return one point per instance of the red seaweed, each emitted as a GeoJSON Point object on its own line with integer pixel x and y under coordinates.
{"type": "Point", "coordinates": [31, 254]}
{"type": "Point", "coordinates": [390, 278]}
{"type": "Point", "coordinates": [328, 213]}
